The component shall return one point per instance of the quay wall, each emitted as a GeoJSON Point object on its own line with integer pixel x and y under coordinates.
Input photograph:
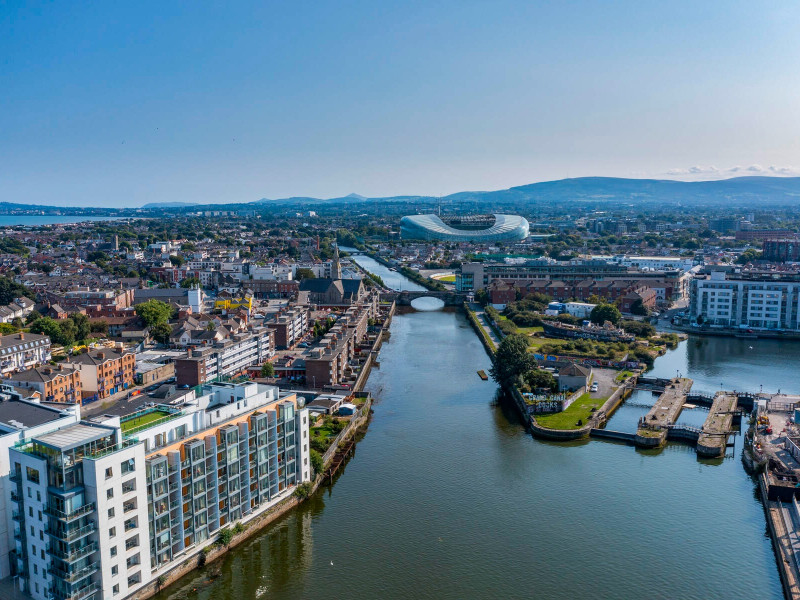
{"type": "Point", "coordinates": [209, 551]}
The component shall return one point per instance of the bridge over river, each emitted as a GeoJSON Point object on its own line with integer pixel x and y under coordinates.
{"type": "Point", "coordinates": [405, 297]}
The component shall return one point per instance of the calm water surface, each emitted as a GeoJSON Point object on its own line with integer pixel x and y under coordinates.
{"type": "Point", "coordinates": [448, 497]}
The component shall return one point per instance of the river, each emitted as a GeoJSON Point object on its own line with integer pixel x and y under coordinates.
{"type": "Point", "coordinates": [448, 497]}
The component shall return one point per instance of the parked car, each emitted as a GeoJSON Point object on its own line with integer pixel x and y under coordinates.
{"type": "Point", "coordinates": [594, 387]}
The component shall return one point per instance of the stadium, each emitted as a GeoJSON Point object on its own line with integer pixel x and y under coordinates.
{"type": "Point", "coordinates": [472, 228]}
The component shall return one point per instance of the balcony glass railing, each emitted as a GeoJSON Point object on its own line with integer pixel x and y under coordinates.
{"type": "Point", "coordinates": [74, 555]}
{"type": "Point", "coordinates": [70, 516]}
{"type": "Point", "coordinates": [70, 535]}
{"type": "Point", "coordinates": [72, 576]}
{"type": "Point", "coordinates": [84, 592]}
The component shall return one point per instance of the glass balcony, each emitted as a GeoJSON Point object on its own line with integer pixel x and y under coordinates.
{"type": "Point", "coordinates": [70, 516]}
{"type": "Point", "coordinates": [72, 576]}
{"type": "Point", "coordinates": [75, 555]}
{"type": "Point", "coordinates": [71, 535]}
{"type": "Point", "coordinates": [83, 592]}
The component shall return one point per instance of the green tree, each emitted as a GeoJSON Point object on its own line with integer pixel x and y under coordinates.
{"type": "Point", "coordinates": [482, 297]}
{"type": "Point", "coordinates": [511, 360]}
{"type": "Point", "coordinates": [176, 261]}
{"type": "Point", "coordinates": [190, 282]}
{"type": "Point", "coordinates": [316, 460]}
{"type": "Point", "coordinates": [153, 312]}
{"type": "Point", "coordinates": [637, 328]}
{"type": "Point", "coordinates": [161, 332]}
{"type": "Point", "coordinates": [99, 327]}
{"type": "Point", "coordinates": [605, 312]}
{"type": "Point", "coordinates": [49, 327]}
{"type": "Point", "coordinates": [539, 378]}
{"type": "Point", "coordinates": [7, 328]}
{"type": "Point", "coordinates": [302, 274]}
{"type": "Point", "coordinates": [69, 332]}
{"type": "Point", "coordinates": [82, 326]}
{"type": "Point", "coordinates": [267, 370]}
{"type": "Point", "coordinates": [10, 290]}
{"type": "Point", "coordinates": [638, 308]}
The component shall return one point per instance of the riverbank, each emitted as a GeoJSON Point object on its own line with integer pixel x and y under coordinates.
{"type": "Point", "coordinates": [252, 524]}
{"type": "Point", "coordinates": [442, 474]}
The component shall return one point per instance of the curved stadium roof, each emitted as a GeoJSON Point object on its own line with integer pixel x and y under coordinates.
{"type": "Point", "coordinates": [430, 227]}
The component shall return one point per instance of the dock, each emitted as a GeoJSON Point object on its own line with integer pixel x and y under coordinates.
{"type": "Point", "coordinates": [653, 428]}
{"type": "Point", "coordinates": [714, 437]}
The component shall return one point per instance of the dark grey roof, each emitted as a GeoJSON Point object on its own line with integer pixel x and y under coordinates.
{"type": "Point", "coordinates": [27, 414]}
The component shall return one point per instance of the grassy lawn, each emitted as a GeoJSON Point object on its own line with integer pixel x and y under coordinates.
{"type": "Point", "coordinates": [447, 278]}
{"type": "Point", "coordinates": [143, 420]}
{"type": "Point", "coordinates": [580, 409]}
{"type": "Point", "coordinates": [537, 342]}
{"type": "Point", "coordinates": [622, 375]}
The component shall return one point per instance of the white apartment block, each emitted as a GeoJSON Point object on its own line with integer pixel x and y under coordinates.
{"type": "Point", "coordinates": [728, 301]}
{"type": "Point", "coordinates": [20, 351]}
{"type": "Point", "coordinates": [101, 507]}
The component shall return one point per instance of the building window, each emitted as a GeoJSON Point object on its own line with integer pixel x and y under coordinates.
{"type": "Point", "coordinates": [111, 513]}
{"type": "Point", "coordinates": [115, 589]}
{"type": "Point", "coordinates": [32, 475]}
{"type": "Point", "coordinates": [109, 473]}
{"type": "Point", "coordinates": [113, 550]}
{"type": "Point", "coordinates": [112, 532]}
{"type": "Point", "coordinates": [114, 570]}
{"type": "Point", "coordinates": [129, 486]}
{"type": "Point", "coordinates": [110, 493]}
{"type": "Point", "coordinates": [128, 466]}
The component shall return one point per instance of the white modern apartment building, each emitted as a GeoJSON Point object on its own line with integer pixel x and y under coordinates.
{"type": "Point", "coordinates": [20, 419]}
{"type": "Point", "coordinates": [20, 351]}
{"type": "Point", "coordinates": [101, 507]}
{"type": "Point", "coordinates": [745, 301]}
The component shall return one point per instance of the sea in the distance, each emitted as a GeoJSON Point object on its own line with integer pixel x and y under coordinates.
{"type": "Point", "coordinates": [37, 220]}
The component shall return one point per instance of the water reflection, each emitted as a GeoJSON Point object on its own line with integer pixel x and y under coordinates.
{"type": "Point", "coordinates": [426, 303]}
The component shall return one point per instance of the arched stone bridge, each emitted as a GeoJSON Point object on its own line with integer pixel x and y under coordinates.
{"type": "Point", "coordinates": [404, 298]}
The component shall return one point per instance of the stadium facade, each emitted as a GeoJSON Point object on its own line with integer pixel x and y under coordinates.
{"type": "Point", "coordinates": [477, 228]}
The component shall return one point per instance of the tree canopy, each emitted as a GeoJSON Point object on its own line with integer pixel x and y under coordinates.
{"type": "Point", "coordinates": [153, 312]}
{"type": "Point", "coordinates": [605, 312]}
{"type": "Point", "coordinates": [511, 360]}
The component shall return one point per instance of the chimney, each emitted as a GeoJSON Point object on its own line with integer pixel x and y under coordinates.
{"type": "Point", "coordinates": [60, 366]}
{"type": "Point", "coordinates": [21, 335]}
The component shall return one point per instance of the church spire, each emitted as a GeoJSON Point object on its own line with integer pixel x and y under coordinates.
{"type": "Point", "coordinates": [336, 267]}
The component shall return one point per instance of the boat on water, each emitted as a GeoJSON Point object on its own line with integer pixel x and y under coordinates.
{"type": "Point", "coordinates": [602, 333]}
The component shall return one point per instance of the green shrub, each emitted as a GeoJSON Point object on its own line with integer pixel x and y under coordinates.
{"type": "Point", "coordinates": [225, 536]}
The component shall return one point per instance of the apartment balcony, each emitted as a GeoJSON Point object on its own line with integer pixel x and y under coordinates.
{"type": "Point", "coordinates": [73, 576]}
{"type": "Point", "coordinates": [16, 477]}
{"type": "Point", "coordinates": [18, 516]}
{"type": "Point", "coordinates": [75, 555]}
{"type": "Point", "coordinates": [80, 594]}
{"type": "Point", "coordinates": [72, 515]}
{"type": "Point", "coordinates": [72, 535]}
{"type": "Point", "coordinates": [20, 535]}
{"type": "Point", "coordinates": [15, 497]}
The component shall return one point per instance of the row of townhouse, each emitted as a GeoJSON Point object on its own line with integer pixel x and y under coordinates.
{"type": "Point", "coordinates": [102, 507]}
{"type": "Point", "coordinates": [662, 291]}
{"type": "Point", "coordinates": [328, 363]}
{"type": "Point", "coordinates": [19, 309]}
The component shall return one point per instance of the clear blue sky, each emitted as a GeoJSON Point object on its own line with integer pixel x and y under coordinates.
{"type": "Point", "coordinates": [123, 103]}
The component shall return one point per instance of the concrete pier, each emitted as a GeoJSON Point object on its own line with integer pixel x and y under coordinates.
{"type": "Point", "coordinates": [714, 438]}
{"type": "Point", "coordinates": [652, 431]}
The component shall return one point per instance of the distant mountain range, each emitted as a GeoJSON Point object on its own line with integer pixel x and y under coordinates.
{"type": "Point", "coordinates": [781, 190]}
{"type": "Point", "coordinates": [738, 190]}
